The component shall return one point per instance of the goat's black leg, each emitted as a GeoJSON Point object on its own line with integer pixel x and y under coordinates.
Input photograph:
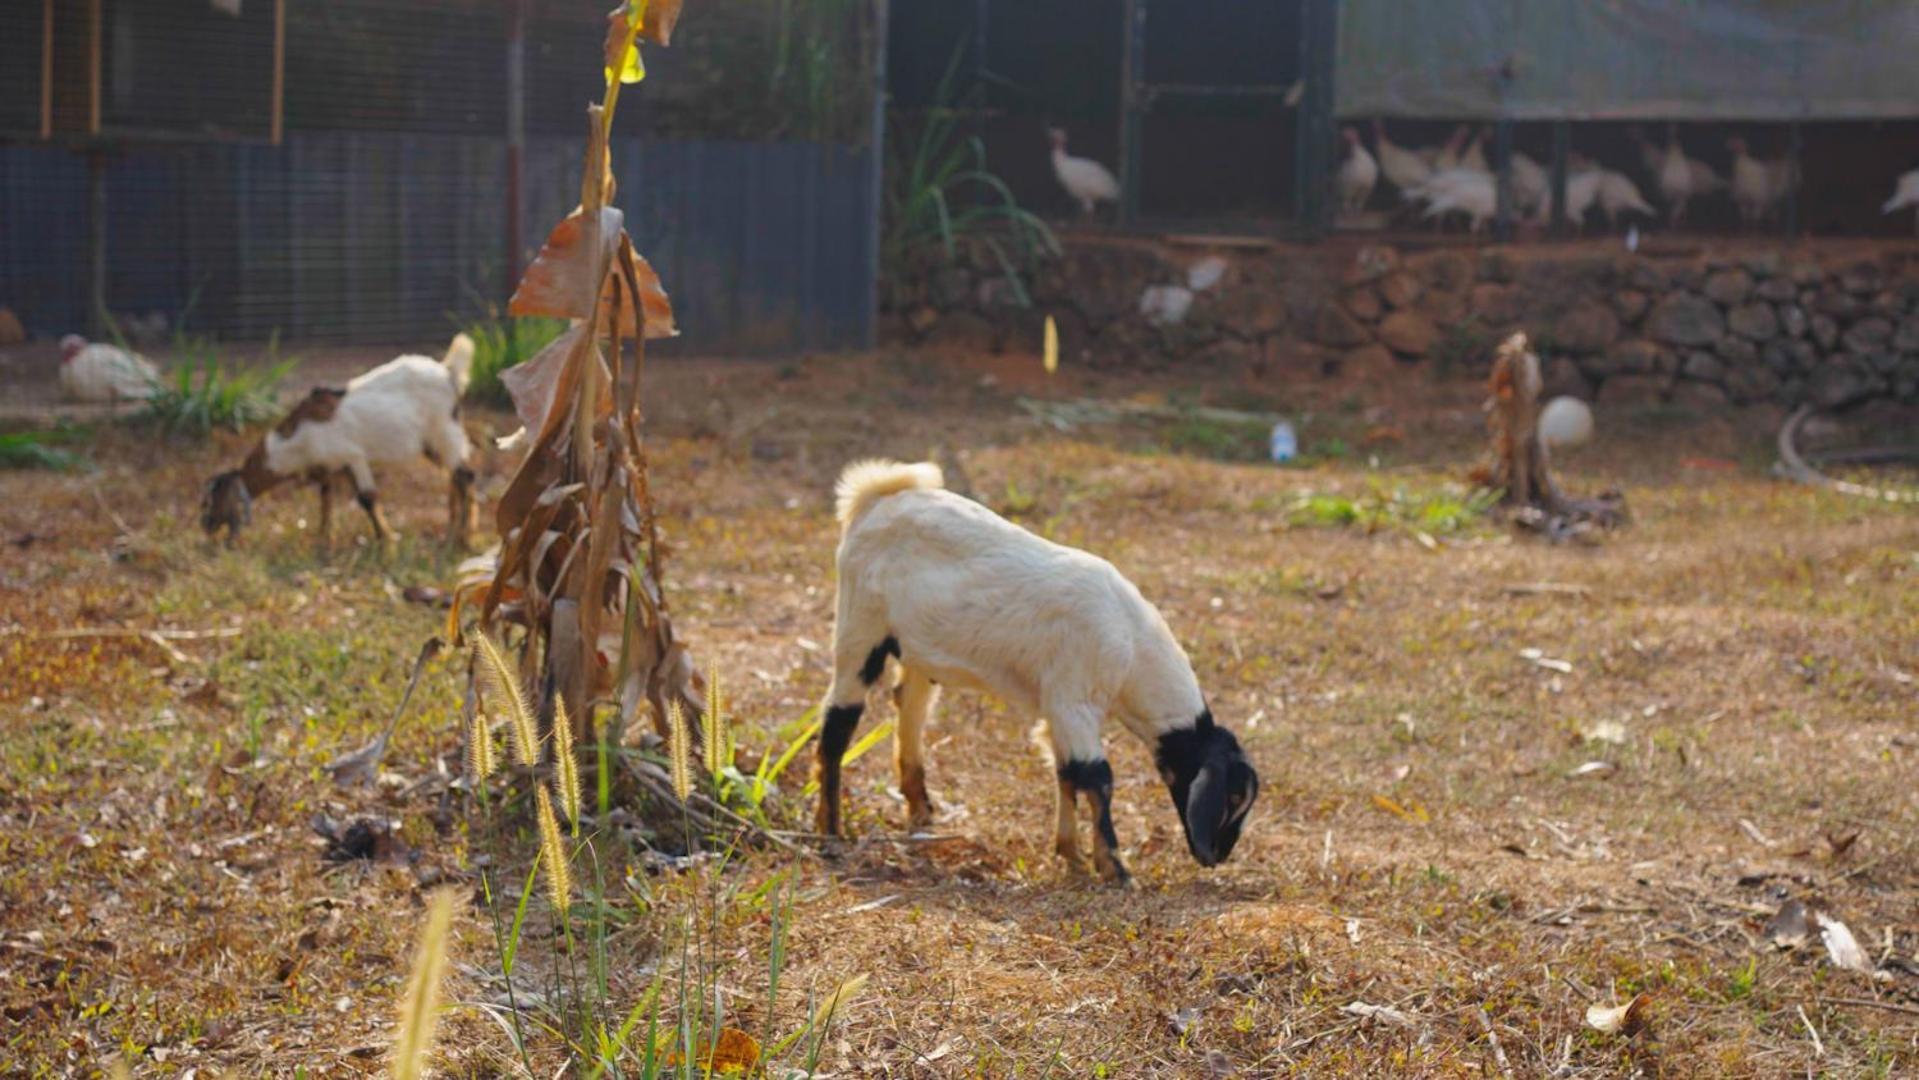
{"type": "Point", "coordinates": [835, 733]}
{"type": "Point", "coordinates": [1094, 779]}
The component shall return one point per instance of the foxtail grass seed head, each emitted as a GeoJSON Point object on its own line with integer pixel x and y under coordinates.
{"type": "Point", "coordinates": [566, 764]}
{"type": "Point", "coordinates": [559, 875]}
{"type": "Point", "coordinates": [679, 746]}
{"type": "Point", "coordinates": [714, 743]}
{"type": "Point", "coordinates": [420, 1001]}
{"type": "Point", "coordinates": [842, 994]}
{"type": "Point", "coordinates": [501, 686]}
{"type": "Point", "coordinates": [482, 757]}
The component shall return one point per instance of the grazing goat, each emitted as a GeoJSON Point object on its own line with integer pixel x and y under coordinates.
{"type": "Point", "coordinates": [961, 596]}
{"type": "Point", "coordinates": [405, 407]}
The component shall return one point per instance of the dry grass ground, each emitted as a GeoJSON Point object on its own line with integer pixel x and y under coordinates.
{"type": "Point", "coordinates": [1422, 841]}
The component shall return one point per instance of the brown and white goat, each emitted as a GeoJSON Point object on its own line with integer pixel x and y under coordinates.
{"type": "Point", "coordinates": [404, 408]}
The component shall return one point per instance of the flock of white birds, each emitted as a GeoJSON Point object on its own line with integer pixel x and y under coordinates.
{"type": "Point", "coordinates": [1454, 179]}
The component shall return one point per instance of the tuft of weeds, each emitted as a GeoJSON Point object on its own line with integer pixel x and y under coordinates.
{"type": "Point", "coordinates": [501, 343]}
{"type": "Point", "coordinates": [36, 450]}
{"type": "Point", "coordinates": [1220, 440]}
{"type": "Point", "coordinates": [206, 393]}
{"type": "Point", "coordinates": [1432, 512]}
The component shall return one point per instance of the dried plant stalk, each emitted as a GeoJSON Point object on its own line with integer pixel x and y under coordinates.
{"type": "Point", "coordinates": [579, 561]}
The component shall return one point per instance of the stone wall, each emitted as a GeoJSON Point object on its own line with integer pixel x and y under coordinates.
{"type": "Point", "coordinates": [1760, 326]}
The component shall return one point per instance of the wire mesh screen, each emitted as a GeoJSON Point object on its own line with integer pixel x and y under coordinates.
{"type": "Point", "coordinates": [383, 214]}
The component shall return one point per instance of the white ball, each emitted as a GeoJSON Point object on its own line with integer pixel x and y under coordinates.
{"type": "Point", "coordinates": [1565, 421]}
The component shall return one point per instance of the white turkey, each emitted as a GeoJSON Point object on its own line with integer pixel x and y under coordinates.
{"type": "Point", "coordinates": [1357, 174]}
{"type": "Point", "coordinates": [1582, 190]}
{"type": "Point", "coordinates": [1758, 187]}
{"type": "Point", "coordinates": [102, 372]}
{"type": "Point", "coordinates": [1474, 156]}
{"type": "Point", "coordinates": [1906, 194]}
{"type": "Point", "coordinates": [1086, 180]}
{"type": "Point", "coordinates": [1447, 156]}
{"type": "Point", "coordinates": [1530, 183]}
{"type": "Point", "coordinates": [1404, 168]}
{"type": "Point", "coordinates": [1459, 191]}
{"type": "Point", "coordinates": [1619, 195]}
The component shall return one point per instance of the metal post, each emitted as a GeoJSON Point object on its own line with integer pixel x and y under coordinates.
{"type": "Point", "coordinates": [1562, 146]}
{"type": "Point", "coordinates": [1793, 149]}
{"type": "Point", "coordinates": [1315, 133]}
{"type": "Point", "coordinates": [1503, 166]}
{"type": "Point", "coordinates": [276, 123]}
{"type": "Point", "coordinates": [980, 15]}
{"type": "Point", "coordinates": [876, 173]}
{"type": "Point", "coordinates": [1131, 101]}
{"type": "Point", "coordinates": [97, 319]}
{"type": "Point", "coordinates": [515, 142]}
{"type": "Point", "coordinates": [46, 70]}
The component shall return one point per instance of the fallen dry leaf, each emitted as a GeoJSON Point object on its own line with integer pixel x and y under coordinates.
{"type": "Point", "coordinates": [1841, 946]}
{"type": "Point", "coordinates": [1412, 811]}
{"type": "Point", "coordinates": [1627, 1019]}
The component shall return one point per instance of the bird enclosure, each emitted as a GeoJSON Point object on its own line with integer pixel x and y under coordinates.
{"type": "Point", "coordinates": [1214, 117]}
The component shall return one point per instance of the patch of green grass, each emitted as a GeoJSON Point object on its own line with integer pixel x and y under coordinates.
{"type": "Point", "coordinates": [35, 450]}
{"type": "Point", "coordinates": [499, 344]}
{"type": "Point", "coordinates": [1436, 511]}
{"type": "Point", "coordinates": [206, 392]}
{"type": "Point", "coordinates": [1220, 440]}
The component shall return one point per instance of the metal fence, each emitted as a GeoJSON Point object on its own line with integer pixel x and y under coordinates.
{"type": "Point", "coordinates": [361, 236]}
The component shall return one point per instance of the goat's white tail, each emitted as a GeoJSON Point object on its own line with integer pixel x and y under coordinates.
{"type": "Point", "coordinates": [459, 362]}
{"type": "Point", "coordinates": [866, 482]}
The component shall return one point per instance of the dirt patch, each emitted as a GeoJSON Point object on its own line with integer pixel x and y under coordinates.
{"type": "Point", "coordinates": [1429, 840]}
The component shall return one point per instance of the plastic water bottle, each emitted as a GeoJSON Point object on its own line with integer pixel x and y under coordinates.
{"type": "Point", "coordinates": [1285, 444]}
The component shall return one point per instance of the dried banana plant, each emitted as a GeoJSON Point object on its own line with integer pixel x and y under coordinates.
{"type": "Point", "coordinates": [1520, 464]}
{"type": "Point", "coordinates": [578, 566]}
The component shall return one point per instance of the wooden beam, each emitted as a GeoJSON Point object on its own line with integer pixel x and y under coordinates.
{"type": "Point", "coordinates": [46, 69]}
{"type": "Point", "coordinates": [278, 121]}
{"type": "Point", "coordinates": [93, 67]}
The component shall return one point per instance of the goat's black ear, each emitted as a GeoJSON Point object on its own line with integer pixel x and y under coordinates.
{"type": "Point", "coordinates": [1205, 809]}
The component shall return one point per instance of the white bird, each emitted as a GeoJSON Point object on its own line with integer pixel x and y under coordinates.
{"type": "Point", "coordinates": [1682, 179]}
{"type": "Point", "coordinates": [1474, 156]}
{"type": "Point", "coordinates": [1447, 156]}
{"type": "Point", "coordinates": [1086, 180]}
{"type": "Point", "coordinates": [1357, 175]}
{"type": "Point", "coordinates": [1759, 186]}
{"type": "Point", "coordinates": [1529, 182]}
{"type": "Point", "coordinates": [1459, 190]}
{"type": "Point", "coordinates": [1619, 195]}
{"type": "Point", "coordinates": [1582, 190]}
{"type": "Point", "coordinates": [1906, 194]}
{"type": "Point", "coordinates": [1565, 422]}
{"type": "Point", "coordinates": [1404, 168]}
{"type": "Point", "coordinates": [101, 372]}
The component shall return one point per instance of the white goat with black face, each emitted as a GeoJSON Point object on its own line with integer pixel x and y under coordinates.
{"type": "Point", "coordinates": [963, 597]}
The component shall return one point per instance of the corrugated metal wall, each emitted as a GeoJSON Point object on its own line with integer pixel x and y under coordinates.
{"type": "Point", "coordinates": [1629, 59]}
{"type": "Point", "coordinates": [383, 215]}
{"type": "Point", "coordinates": [382, 237]}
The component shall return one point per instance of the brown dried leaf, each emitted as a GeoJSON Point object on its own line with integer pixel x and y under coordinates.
{"type": "Point", "coordinates": [1628, 1019]}
{"type": "Point", "coordinates": [656, 25]}
{"type": "Point", "coordinates": [532, 385]}
{"type": "Point", "coordinates": [653, 298]}
{"type": "Point", "coordinates": [563, 279]}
